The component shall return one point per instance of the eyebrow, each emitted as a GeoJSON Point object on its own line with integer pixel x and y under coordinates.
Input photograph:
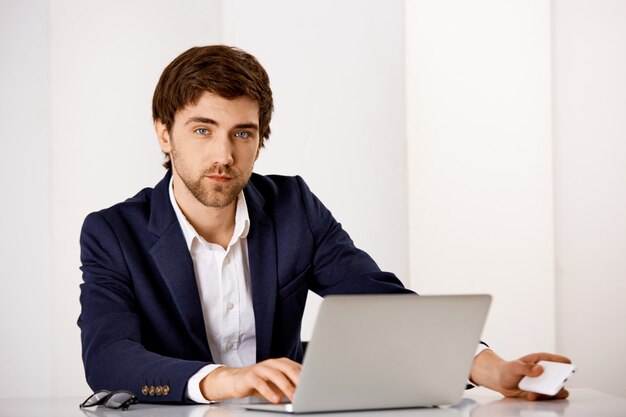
{"type": "Point", "coordinates": [252, 126]}
{"type": "Point", "coordinates": [198, 119]}
{"type": "Point", "coordinates": [209, 121]}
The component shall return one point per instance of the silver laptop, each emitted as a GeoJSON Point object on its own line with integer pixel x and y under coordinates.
{"type": "Point", "coordinates": [388, 351]}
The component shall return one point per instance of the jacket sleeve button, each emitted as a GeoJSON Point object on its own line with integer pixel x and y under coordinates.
{"type": "Point", "coordinates": [145, 390]}
{"type": "Point", "coordinates": [151, 391]}
{"type": "Point", "coordinates": [166, 389]}
{"type": "Point", "coordinates": [158, 390]}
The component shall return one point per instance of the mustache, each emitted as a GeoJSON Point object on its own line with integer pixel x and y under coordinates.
{"type": "Point", "coordinates": [220, 170]}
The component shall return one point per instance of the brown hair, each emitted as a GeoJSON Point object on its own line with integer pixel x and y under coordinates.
{"type": "Point", "coordinates": [223, 70]}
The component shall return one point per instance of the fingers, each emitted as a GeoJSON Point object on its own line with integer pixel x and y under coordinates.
{"type": "Point", "coordinates": [264, 389]}
{"type": "Point", "coordinates": [561, 395]}
{"type": "Point", "coordinates": [274, 379]}
{"type": "Point", "coordinates": [544, 356]}
{"type": "Point", "coordinates": [271, 379]}
{"type": "Point", "coordinates": [527, 365]}
{"type": "Point", "coordinates": [288, 367]}
{"type": "Point", "coordinates": [530, 368]}
{"type": "Point", "coordinates": [519, 368]}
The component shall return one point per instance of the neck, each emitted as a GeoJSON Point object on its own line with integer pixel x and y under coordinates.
{"type": "Point", "coordinates": [215, 225]}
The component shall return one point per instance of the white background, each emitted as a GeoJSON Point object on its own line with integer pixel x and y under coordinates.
{"type": "Point", "coordinates": [467, 146]}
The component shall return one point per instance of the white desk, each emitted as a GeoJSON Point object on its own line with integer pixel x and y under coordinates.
{"type": "Point", "coordinates": [477, 403]}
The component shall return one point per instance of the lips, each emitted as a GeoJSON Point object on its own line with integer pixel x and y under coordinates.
{"type": "Point", "coordinates": [219, 178]}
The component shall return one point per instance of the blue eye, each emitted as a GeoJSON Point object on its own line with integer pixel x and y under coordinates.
{"type": "Point", "coordinates": [242, 134]}
{"type": "Point", "coordinates": [202, 131]}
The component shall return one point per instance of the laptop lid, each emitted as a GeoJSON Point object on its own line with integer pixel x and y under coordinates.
{"type": "Point", "coordinates": [390, 351]}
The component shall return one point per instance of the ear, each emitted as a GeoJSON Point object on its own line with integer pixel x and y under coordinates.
{"type": "Point", "coordinates": [163, 136]}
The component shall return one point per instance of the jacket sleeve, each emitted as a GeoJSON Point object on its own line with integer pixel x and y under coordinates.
{"type": "Point", "coordinates": [113, 354]}
{"type": "Point", "coordinates": [339, 267]}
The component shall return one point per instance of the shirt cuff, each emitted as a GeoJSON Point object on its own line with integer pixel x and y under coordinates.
{"type": "Point", "coordinates": [481, 346]}
{"type": "Point", "coordinates": [193, 385]}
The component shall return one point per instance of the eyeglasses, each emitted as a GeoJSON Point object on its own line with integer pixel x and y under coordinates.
{"type": "Point", "coordinates": [119, 400]}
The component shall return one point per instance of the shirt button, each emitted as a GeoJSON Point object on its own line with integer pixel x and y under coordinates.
{"type": "Point", "coordinates": [229, 345]}
{"type": "Point", "coordinates": [230, 306]}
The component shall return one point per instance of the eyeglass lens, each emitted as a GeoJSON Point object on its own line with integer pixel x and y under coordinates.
{"type": "Point", "coordinates": [95, 398]}
{"type": "Point", "coordinates": [121, 399]}
{"type": "Point", "coordinates": [115, 399]}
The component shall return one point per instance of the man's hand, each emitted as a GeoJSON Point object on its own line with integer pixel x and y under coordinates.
{"type": "Point", "coordinates": [493, 372]}
{"type": "Point", "coordinates": [271, 379]}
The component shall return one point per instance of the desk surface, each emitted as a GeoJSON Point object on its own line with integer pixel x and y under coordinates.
{"type": "Point", "coordinates": [477, 403]}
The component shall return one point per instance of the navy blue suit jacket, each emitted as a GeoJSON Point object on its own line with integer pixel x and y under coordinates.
{"type": "Point", "coordinates": [141, 320]}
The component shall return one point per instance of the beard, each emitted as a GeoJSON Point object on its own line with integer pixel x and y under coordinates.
{"type": "Point", "coordinates": [204, 190]}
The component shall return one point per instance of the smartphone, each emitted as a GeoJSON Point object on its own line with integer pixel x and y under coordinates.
{"type": "Point", "coordinates": [550, 382]}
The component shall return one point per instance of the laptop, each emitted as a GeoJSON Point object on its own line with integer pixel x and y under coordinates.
{"type": "Point", "coordinates": [387, 351]}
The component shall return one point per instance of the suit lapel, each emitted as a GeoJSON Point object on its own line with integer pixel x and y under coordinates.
{"type": "Point", "coordinates": [263, 271]}
{"type": "Point", "coordinates": [174, 262]}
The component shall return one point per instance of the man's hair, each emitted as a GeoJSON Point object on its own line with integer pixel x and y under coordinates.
{"type": "Point", "coordinates": [222, 70]}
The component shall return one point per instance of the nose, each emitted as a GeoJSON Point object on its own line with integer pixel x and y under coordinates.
{"type": "Point", "coordinates": [222, 152]}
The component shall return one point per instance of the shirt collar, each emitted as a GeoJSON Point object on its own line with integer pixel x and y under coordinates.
{"type": "Point", "coordinates": [242, 220]}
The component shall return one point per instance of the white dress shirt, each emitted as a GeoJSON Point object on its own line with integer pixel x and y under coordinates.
{"type": "Point", "coordinates": [223, 279]}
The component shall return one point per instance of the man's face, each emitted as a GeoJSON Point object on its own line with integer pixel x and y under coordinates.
{"type": "Point", "coordinates": [213, 146]}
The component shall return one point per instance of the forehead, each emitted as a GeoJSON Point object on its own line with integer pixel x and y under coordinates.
{"type": "Point", "coordinates": [220, 108]}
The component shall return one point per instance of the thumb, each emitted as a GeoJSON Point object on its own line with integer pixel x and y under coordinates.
{"type": "Point", "coordinates": [531, 369]}
{"type": "Point", "coordinates": [527, 369]}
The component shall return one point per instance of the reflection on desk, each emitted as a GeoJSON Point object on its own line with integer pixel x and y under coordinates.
{"type": "Point", "coordinates": [477, 403]}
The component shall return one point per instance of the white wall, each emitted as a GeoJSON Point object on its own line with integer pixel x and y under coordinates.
{"type": "Point", "coordinates": [25, 302]}
{"type": "Point", "coordinates": [590, 167]}
{"type": "Point", "coordinates": [480, 161]}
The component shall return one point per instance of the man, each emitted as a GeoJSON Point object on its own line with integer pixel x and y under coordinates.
{"type": "Point", "coordinates": [194, 290]}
